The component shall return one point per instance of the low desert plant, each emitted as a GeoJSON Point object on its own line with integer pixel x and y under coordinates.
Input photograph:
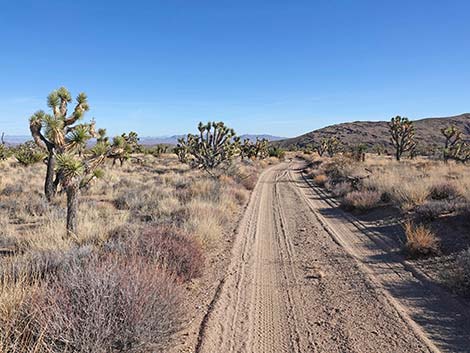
{"type": "Point", "coordinates": [459, 276]}
{"type": "Point", "coordinates": [167, 247]}
{"type": "Point", "coordinates": [432, 209]}
{"type": "Point", "coordinates": [249, 181]}
{"type": "Point", "coordinates": [340, 189]}
{"type": "Point", "coordinates": [443, 191]}
{"type": "Point", "coordinates": [108, 305]}
{"type": "Point", "coordinates": [361, 200]}
{"type": "Point", "coordinates": [420, 240]}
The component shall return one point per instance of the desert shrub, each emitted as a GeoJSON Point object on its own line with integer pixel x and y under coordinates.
{"type": "Point", "coordinates": [431, 210]}
{"type": "Point", "coordinates": [459, 276]}
{"type": "Point", "coordinates": [320, 179]}
{"type": "Point", "coordinates": [420, 240]}
{"type": "Point", "coordinates": [443, 191]}
{"type": "Point", "coordinates": [249, 181]}
{"type": "Point", "coordinates": [106, 305]}
{"type": "Point", "coordinates": [338, 169]}
{"type": "Point", "coordinates": [165, 246]}
{"type": "Point", "coordinates": [361, 200]}
{"type": "Point", "coordinates": [340, 189]}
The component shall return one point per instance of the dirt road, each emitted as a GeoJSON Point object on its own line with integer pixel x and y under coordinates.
{"type": "Point", "coordinates": [294, 286]}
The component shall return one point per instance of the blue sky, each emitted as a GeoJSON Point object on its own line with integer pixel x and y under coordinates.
{"type": "Point", "coordinates": [278, 67]}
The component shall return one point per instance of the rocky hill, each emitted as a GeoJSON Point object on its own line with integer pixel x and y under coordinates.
{"type": "Point", "coordinates": [374, 133]}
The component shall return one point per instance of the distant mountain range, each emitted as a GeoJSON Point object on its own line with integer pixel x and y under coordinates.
{"type": "Point", "coordinates": [373, 133]}
{"type": "Point", "coordinates": [173, 140]}
{"type": "Point", "coordinates": [149, 140]}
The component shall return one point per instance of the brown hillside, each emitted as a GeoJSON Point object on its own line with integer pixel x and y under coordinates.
{"type": "Point", "coordinates": [373, 133]}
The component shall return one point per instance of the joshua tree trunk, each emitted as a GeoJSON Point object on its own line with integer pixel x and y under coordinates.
{"type": "Point", "coordinates": [50, 188]}
{"type": "Point", "coordinates": [72, 190]}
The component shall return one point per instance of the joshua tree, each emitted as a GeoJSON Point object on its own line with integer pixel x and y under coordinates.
{"type": "Point", "coordinates": [453, 142]}
{"type": "Point", "coordinates": [77, 171]}
{"type": "Point", "coordinates": [246, 149]}
{"type": "Point", "coordinates": [379, 149]}
{"type": "Point", "coordinates": [182, 150]}
{"type": "Point", "coordinates": [259, 149]}
{"type": "Point", "coordinates": [359, 152]}
{"type": "Point", "coordinates": [211, 148]}
{"type": "Point", "coordinates": [29, 153]}
{"type": "Point", "coordinates": [402, 133]}
{"type": "Point", "coordinates": [50, 131]}
{"type": "Point", "coordinates": [333, 146]}
{"type": "Point", "coordinates": [322, 147]}
{"type": "Point", "coordinates": [123, 146]}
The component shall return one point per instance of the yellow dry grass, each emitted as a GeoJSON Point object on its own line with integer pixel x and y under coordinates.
{"type": "Point", "coordinates": [420, 240]}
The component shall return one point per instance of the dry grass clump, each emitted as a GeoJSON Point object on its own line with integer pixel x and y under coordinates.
{"type": "Point", "coordinates": [420, 240]}
{"type": "Point", "coordinates": [320, 179]}
{"type": "Point", "coordinates": [361, 200]}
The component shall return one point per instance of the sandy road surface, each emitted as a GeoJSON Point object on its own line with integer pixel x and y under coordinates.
{"type": "Point", "coordinates": [292, 286]}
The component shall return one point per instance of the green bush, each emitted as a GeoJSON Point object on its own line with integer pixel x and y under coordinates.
{"type": "Point", "coordinates": [28, 153]}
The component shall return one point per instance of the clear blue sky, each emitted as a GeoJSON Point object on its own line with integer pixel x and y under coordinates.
{"type": "Point", "coordinates": [279, 67]}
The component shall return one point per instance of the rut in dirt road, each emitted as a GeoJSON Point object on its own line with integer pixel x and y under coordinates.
{"type": "Point", "coordinates": [292, 288]}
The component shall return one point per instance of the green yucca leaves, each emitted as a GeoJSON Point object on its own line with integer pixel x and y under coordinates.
{"type": "Point", "coordinates": [64, 94]}
{"type": "Point", "coordinates": [82, 98]}
{"type": "Point", "coordinates": [78, 137]}
{"type": "Point", "coordinates": [69, 167]}
{"type": "Point", "coordinates": [54, 129]}
{"type": "Point", "coordinates": [53, 100]}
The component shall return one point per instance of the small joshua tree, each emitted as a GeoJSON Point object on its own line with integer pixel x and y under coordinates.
{"type": "Point", "coordinates": [182, 150]}
{"type": "Point", "coordinates": [333, 146]}
{"type": "Point", "coordinates": [453, 142]}
{"type": "Point", "coordinates": [211, 148]}
{"type": "Point", "coordinates": [77, 171]}
{"type": "Point", "coordinates": [359, 152]}
{"type": "Point", "coordinates": [258, 149]}
{"type": "Point", "coordinates": [261, 148]}
{"type": "Point", "coordinates": [402, 133]}
{"type": "Point", "coordinates": [49, 131]}
{"type": "Point", "coordinates": [246, 148]}
{"type": "Point", "coordinates": [123, 146]}
{"type": "Point", "coordinates": [322, 147]}
{"type": "Point", "coordinates": [29, 153]}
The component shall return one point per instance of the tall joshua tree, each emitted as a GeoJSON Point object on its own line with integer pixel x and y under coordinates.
{"type": "Point", "coordinates": [49, 131]}
{"type": "Point", "coordinates": [402, 133]}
